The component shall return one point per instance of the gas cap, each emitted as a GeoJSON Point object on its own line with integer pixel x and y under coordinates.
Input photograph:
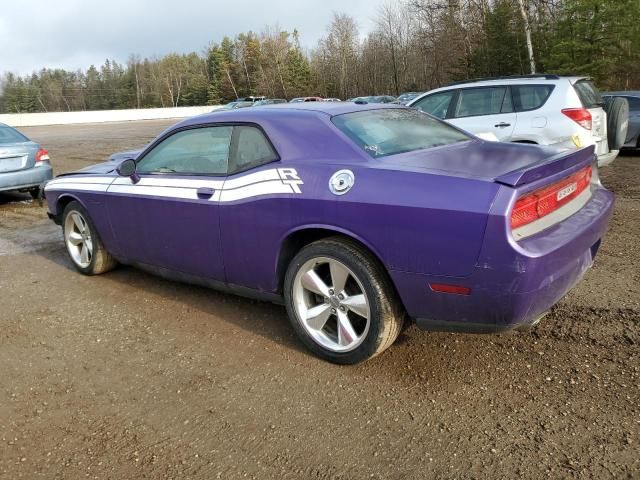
{"type": "Point", "coordinates": [341, 182]}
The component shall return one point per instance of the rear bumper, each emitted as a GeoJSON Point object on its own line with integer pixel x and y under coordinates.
{"type": "Point", "coordinates": [607, 158]}
{"type": "Point", "coordinates": [514, 283]}
{"type": "Point", "coordinates": [22, 179]}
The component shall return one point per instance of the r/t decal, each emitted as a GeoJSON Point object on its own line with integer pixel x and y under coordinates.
{"type": "Point", "coordinates": [290, 177]}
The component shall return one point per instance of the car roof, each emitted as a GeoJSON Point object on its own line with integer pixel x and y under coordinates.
{"type": "Point", "coordinates": [513, 80]}
{"type": "Point", "coordinates": [487, 82]}
{"type": "Point", "coordinates": [629, 93]}
{"type": "Point", "coordinates": [282, 109]}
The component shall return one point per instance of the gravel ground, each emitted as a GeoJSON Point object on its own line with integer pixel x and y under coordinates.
{"type": "Point", "coordinates": [127, 375]}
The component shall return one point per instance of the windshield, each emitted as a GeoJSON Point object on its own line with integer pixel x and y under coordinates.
{"type": "Point", "coordinates": [392, 131]}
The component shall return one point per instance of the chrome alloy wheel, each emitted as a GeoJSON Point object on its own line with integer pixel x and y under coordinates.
{"type": "Point", "coordinates": [77, 237]}
{"type": "Point", "coordinates": [331, 304]}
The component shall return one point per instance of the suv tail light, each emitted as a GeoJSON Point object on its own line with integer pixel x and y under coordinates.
{"type": "Point", "coordinates": [42, 156]}
{"type": "Point", "coordinates": [581, 116]}
{"type": "Point", "coordinates": [546, 200]}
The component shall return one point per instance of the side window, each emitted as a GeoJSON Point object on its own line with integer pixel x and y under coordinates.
{"type": "Point", "coordinates": [479, 101]}
{"type": "Point", "coordinates": [198, 151]}
{"type": "Point", "coordinates": [249, 148]}
{"type": "Point", "coordinates": [436, 104]}
{"type": "Point", "coordinates": [507, 103]}
{"type": "Point", "coordinates": [530, 97]}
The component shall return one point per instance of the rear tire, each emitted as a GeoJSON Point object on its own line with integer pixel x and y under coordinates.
{"type": "Point", "coordinates": [341, 302]}
{"type": "Point", "coordinates": [617, 109]}
{"type": "Point", "coordinates": [83, 242]}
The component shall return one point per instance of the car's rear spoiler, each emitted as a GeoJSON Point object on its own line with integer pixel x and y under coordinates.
{"type": "Point", "coordinates": [547, 167]}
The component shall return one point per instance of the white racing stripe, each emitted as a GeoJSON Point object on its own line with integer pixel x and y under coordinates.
{"type": "Point", "coordinates": [265, 182]}
{"type": "Point", "coordinates": [256, 190]}
{"type": "Point", "coordinates": [171, 182]}
{"type": "Point", "coordinates": [83, 187]}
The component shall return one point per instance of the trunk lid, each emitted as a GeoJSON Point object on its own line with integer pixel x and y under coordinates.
{"type": "Point", "coordinates": [505, 163]}
{"type": "Point", "coordinates": [17, 156]}
{"type": "Point", "coordinates": [547, 167]}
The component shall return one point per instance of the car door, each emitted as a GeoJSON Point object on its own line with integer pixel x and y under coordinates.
{"type": "Point", "coordinates": [169, 219]}
{"type": "Point", "coordinates": [633, 132]}
{"type": "Point", "coordinates": [254, 203]}
{"type": "Point", "coordinates": [484, 110]}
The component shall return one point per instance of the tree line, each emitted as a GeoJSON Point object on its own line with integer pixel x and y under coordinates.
{"type": "Point", "coordinates": [415, 45]}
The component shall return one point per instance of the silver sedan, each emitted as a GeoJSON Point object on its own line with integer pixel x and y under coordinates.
{"type": "Point", "coordinates": [24, 165]}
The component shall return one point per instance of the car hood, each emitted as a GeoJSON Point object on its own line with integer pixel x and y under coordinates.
{"type": "Point", "coordinates": [105, 167]}
{"type": "Point", "coordinates": [477, 159]}
{"type": "Point", "coordinates": [124, 155]}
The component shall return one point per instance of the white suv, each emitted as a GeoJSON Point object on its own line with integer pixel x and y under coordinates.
{"type": "Point", "coordinates": [565, 112]}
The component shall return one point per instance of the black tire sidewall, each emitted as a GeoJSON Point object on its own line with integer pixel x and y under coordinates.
{"type": "Point", "coordinates": [77, 207]}
{"type": "Point", "coordinates": [364, 271]}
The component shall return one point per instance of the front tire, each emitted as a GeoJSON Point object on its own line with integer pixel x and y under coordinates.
{"type": "Point", "coordinates": [83, 243]}
{"type": "Point", "coordinates": [340, 301]}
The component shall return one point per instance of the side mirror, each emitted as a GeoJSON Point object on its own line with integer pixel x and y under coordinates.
{"type": "Point", "coordinates": [128, 169]}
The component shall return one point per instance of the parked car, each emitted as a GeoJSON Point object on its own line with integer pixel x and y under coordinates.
{"type": "Point", "coordinates": [269, 101]}
{"type": "Point", "coordinates": [251, 98]}
{"type": "Point", "coordinates": [331, 100]}
{"type": "Point", "coordinates": [633, 99]}
{"type": "Point", "coordinates": [305, 99]}
{"type": "Point", "coordinates": [24, 165]}
{"type": "Point", "coordinates": [406, 97]}
{"type": "Point", "coordinates": [565, 112]}
{"type": "Point", "coordinates": [375, 99]}
{"type": "Point", "coordinates": [234, 105]}
{"type": "Point", "coordinates": [354, 216]}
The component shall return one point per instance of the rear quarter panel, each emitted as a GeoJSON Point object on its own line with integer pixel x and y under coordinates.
{"type": "Point", "coordinates": [415, 222]}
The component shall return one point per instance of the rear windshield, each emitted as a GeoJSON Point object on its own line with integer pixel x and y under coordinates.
{"type": "Point", "coordinates": [391, 131]}
{"type": "Point", "coordinates": [588, 93]}
{"type": "Point", "coordinates": [9, 135]}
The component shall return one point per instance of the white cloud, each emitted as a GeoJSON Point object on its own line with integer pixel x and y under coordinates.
{"type": "Point", "coordinates": [76, 33]}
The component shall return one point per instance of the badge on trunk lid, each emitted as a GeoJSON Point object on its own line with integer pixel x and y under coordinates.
{"type": "Point", "coordinates": [566, 191]}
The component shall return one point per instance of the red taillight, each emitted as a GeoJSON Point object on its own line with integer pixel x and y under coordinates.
{"type": "Point", "coordinates": [546, 200]}
{"type": "Point", "coordinates": [42, 156]}
{"type": "Point", "coordinates": [447, 288]}
{"type": "Point", "coordinates": [581, 116]}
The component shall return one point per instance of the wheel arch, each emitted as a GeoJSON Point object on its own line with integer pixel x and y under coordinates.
{"type": "Point", "coordinates": [296, 239]}
{"type": "Point", "coordinates": [61, 203]}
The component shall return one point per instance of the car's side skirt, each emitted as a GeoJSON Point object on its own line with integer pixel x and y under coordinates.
{"type": "Point", "coordinates": [210, 283]}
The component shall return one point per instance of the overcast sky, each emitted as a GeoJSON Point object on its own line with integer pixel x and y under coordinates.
{"type": "Point", "coordinates": [77, 33]}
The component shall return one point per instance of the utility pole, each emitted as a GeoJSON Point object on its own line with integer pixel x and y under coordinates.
{"type": "Point", "coordinates": [527, 31]}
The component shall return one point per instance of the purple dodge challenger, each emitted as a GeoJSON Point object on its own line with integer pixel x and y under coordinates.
{"type": "Point", "coordinates": [357, 217]}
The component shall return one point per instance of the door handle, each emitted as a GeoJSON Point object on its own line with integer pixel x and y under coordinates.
{"type": "Point", "coordinates": [205, 192]}
{"type": "Point", "coordinates": [502, 125]}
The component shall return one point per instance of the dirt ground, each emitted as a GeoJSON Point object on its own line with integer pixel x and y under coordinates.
{"type": "Point", "coordinates": [127, 376]}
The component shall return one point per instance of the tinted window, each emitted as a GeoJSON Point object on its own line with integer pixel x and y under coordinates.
{"type": "Point", "coordinates": [250, 148]}
{"type": "Point", "coordinates": [507, 103]}
{"type": "Point", "coordinates": [9, 135]}
{"type": "Point", "coordinates": [436, 104]}
{"type": "Point", "coordinates": [203, 151]}
{"type": "Point", "coordinates": [479, 101]}
{"type": "Point", "coordinates": [391, 131]}
{"type": "Point", "coordinates": [588, 93]}
{"type": "Point", "coordinates": [530, 97]}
